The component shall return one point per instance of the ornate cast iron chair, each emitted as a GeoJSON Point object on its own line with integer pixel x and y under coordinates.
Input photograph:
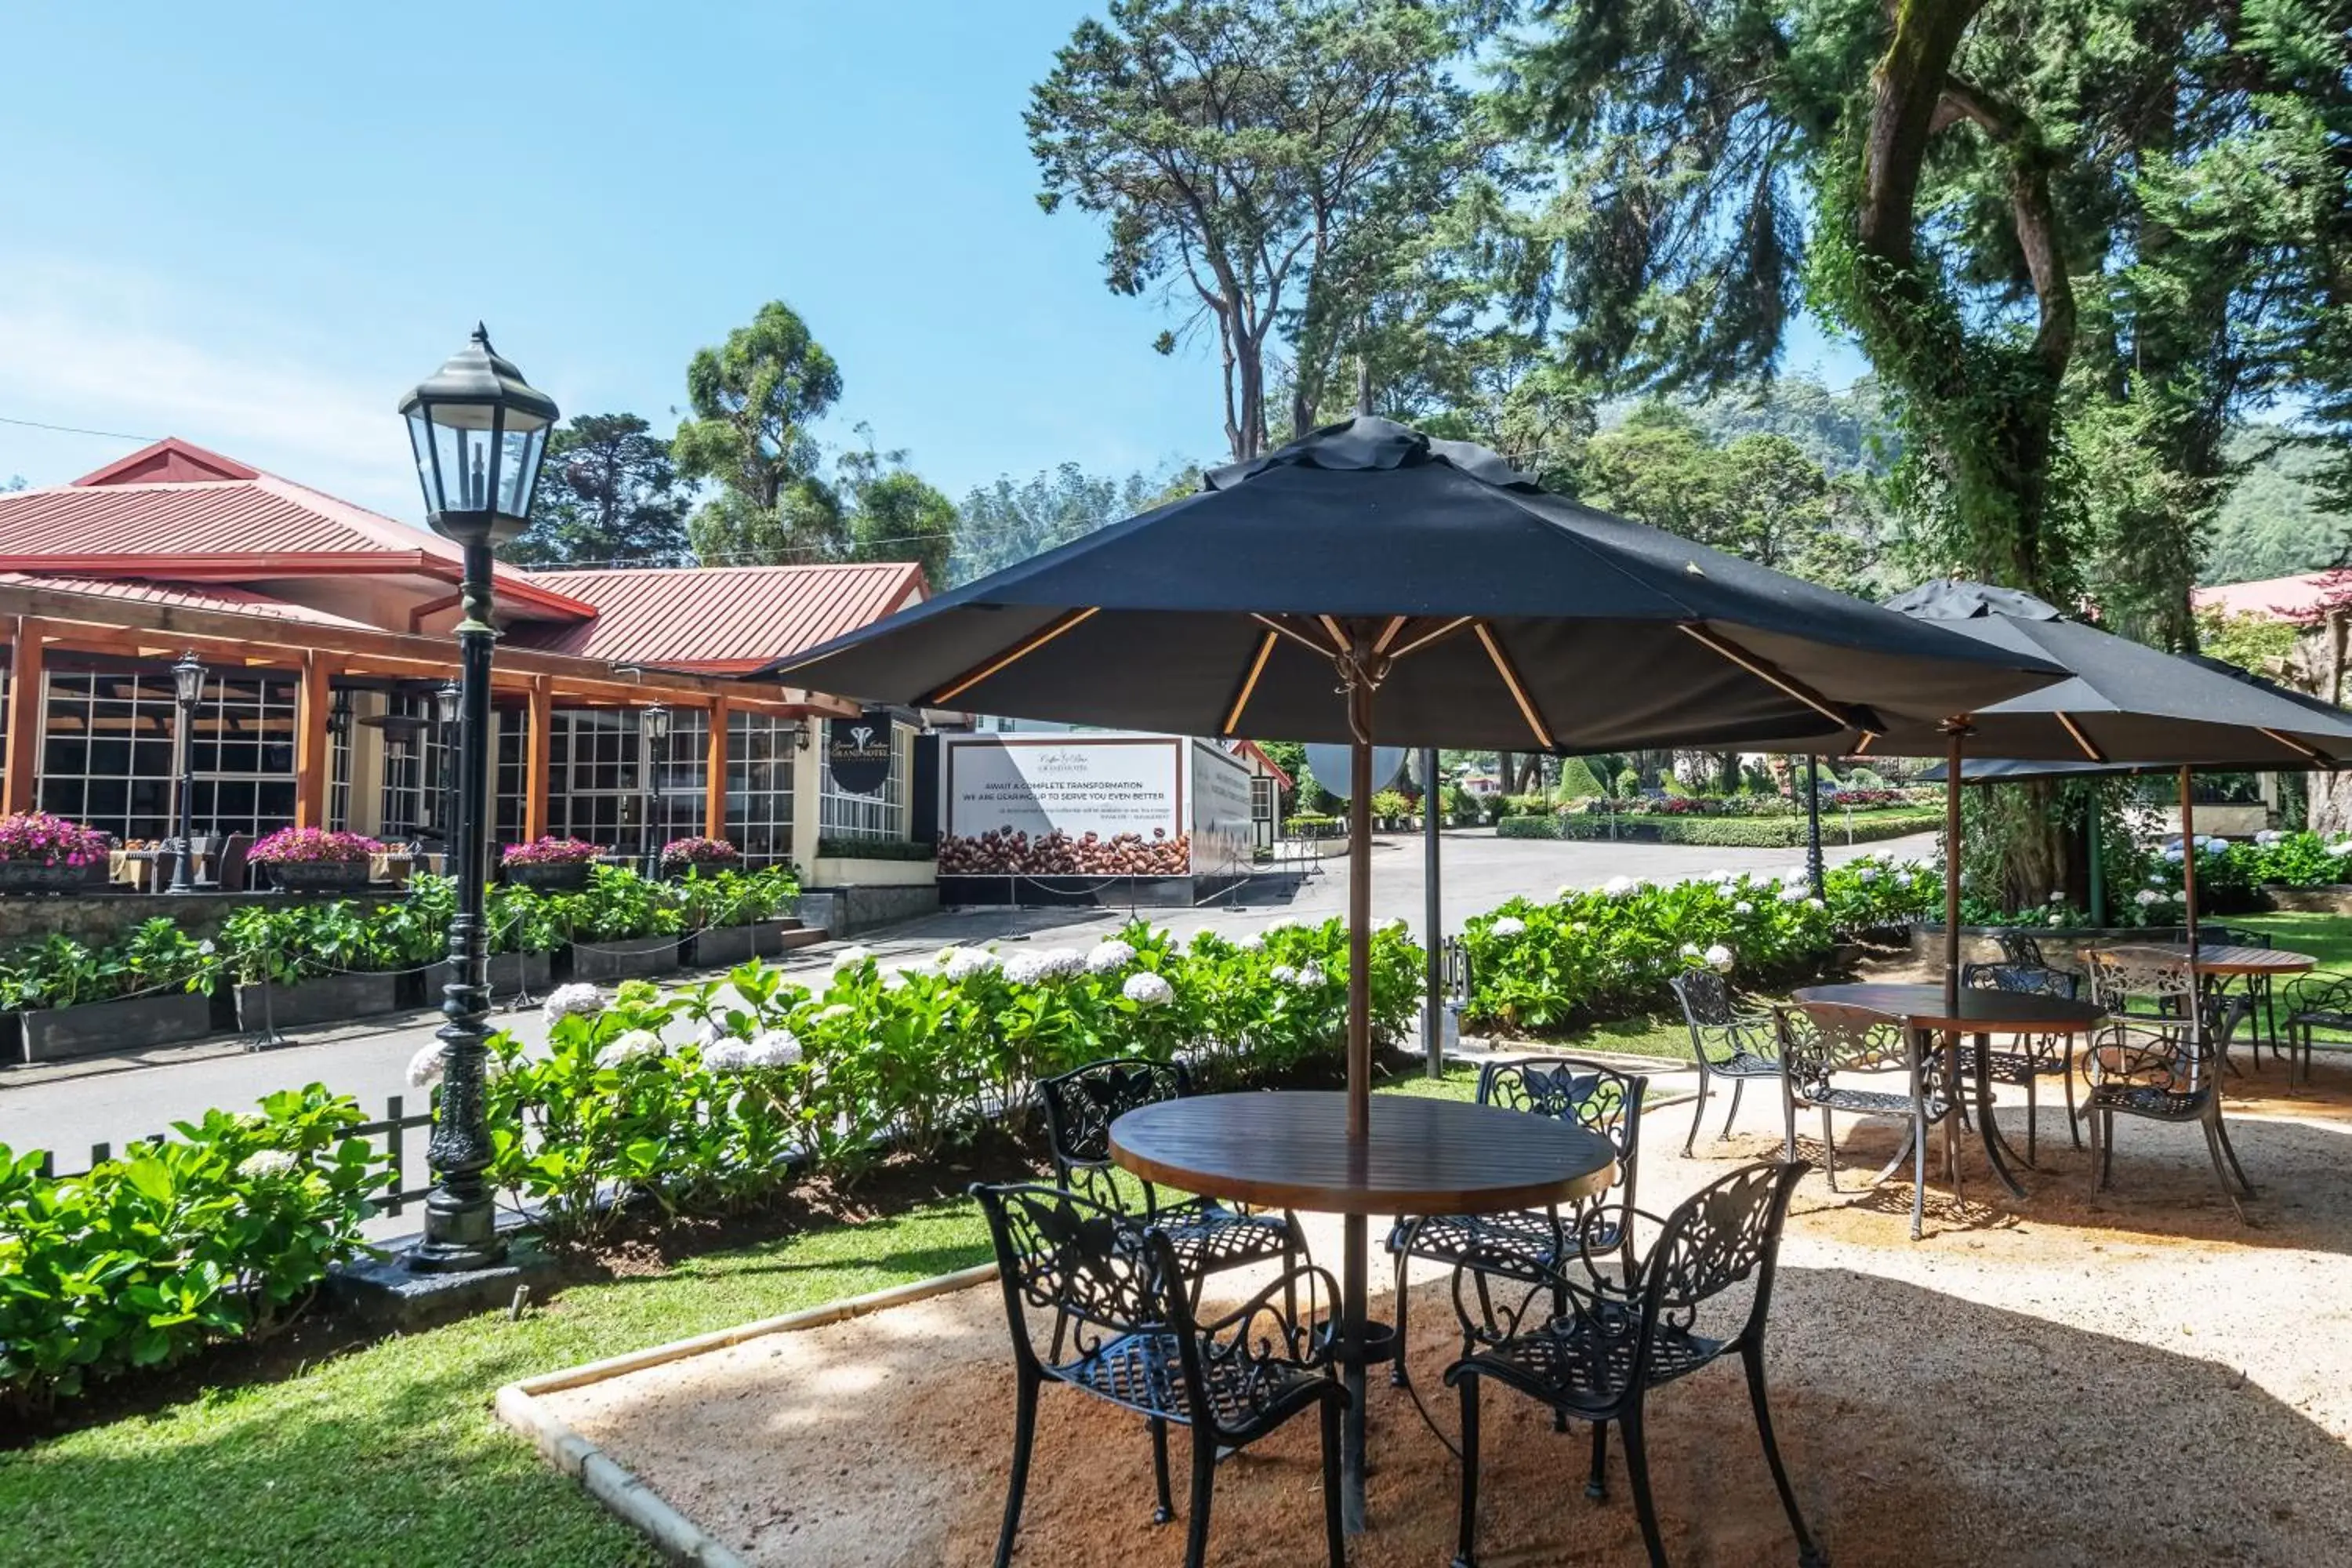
{"type": "Point", "coordinates": [2017, 947]}
{"type": "Point", "coordinates": [1599, 1098]}
{"type": "Point", "coordinates": [1597, 1357]}
{"type": "Point", "coordinates": [1727, 1042]}
{"type": "Point", "coordinates": [2313, 1001]}
{"type": "Point", "coordinates": [1135, 1344]}
{"type": "Point", "coordinates": [1209, 1237]}
{"type": "Point", "coordinates": [2152, 1061]}
{"type": "Point", "coordinates": [2028, 1057]}
{"type": "Point", "coordinates": [1821, 1042]}
{"type": "Point", "coordinates": [2262, 1009]}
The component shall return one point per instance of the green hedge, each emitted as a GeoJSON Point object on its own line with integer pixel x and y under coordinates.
{"type": "Point", "coordinates": [876, 849]}
{"type": "Point", "coordinates": [1740, 832]}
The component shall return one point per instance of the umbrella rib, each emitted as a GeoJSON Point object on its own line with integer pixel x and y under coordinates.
{"type": "Point", "coordinates": [1763, 672]}
{"type": "Point", "coordinates": [1019, 651]}
{"type": "Point", "coordinates": [1388, 633]}
{"type": "Point", "coordinates": [2310, 753]}
{"type": "Point", "coordinates": [2081, 739]}
{"type": "Point", "coordinates": [1249, 683]}
{"type": "Point", "coordinates": [1425, 638]}
{"type": "Point", "coordinates": [1511, 678]}
{"type": "Point", "coordinates": [1293, 634]}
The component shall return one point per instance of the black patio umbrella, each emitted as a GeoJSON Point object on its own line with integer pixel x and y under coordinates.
{"type": "Point", "coordinates": [1370, 583]}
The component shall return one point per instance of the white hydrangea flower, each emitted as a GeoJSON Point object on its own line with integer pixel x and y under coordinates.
{"type": "Point", "coordinates": [1815, 904]}
{"type": "Point", "coordinates": [1743, 907]}
{"type": "Point", "coordinates": [1902, 878]}
{"type": "Point", "coordinates": [963, 962]}
{"type": "Point", "coordinates": [266, 1162]}
{"type": "Point", "coordinates": [1285, 922]}
{"type": "Point", "coordinates": [728, 1055]}
{"type": "Point", "coordinates": [2156, 878]}
{"type": "Point", "coordinates": [1025, 968]}
{"type": "Point", "coordinates": [2146, 897]}
{"type": "Point", "coordinates": [1865, 874]}
{"type": "Point", "coordinates": [630, 1045]}
{"type": "Point", "coordinates": [1252, 942]}
{"type": "Point", "coordinates": [1286, 973]}
{"type": "Point", "coordinates": [1720, 957]}
{"type": "Point", "coordinates": [1792, 895]}
{"type": "Point", "coordinates": [1508, 925]}
{"type": "Point", "coordinates": [425, 1067]}
{"type": "Point", "coordinates": [2057, 918]}
{"type": "Point", "coordinates": [772, 1048]}
{"type": "Point", "coordinates": [1619, 887]}
{"type": "Point", "coordinates": [1688, 950]}
{"type": "Point", "coordinates": [851, 957]}
{"type": "Point", "coordinates": [2174, 852]}
{"type": "Point", "coordinates": [2057, 896]}
{"type": "Point", "coordinates": [2341, 849]}
{"type": "Point", "coordinates": [1108, 956]}
{"type": "Point", "coordinates": [1146, 989]}
{"type": "Point", "coordinates": [1312, 978]}
{"type": "Point", "coordinates": [834, 1013]}
{"type": "Point", "coordinates": [578, 999]}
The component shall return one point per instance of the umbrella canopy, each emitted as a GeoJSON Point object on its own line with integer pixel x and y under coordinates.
{"type": "Point", "coordinates": [2128, 702]}
{"type": "Point", "coordinates": [1487, 612]}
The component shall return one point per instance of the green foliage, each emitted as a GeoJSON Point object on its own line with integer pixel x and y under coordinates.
{"type": "Point", "coordinates": [296, 941]}
{"type": "Point", "coordinates": [754, 398]}
{"type": "Point", "coordinates": [619, 905]}
{"type": "Point", "coordinates": [1006, 522]}
{"type": "Point", "coordinates": [876, 849]}
{"type": "Point", "coordinates": [1577, 780]}
{"type": "Point", "coordinates": [1388, 804]}
{"type": "Point", "coordinates": [214, 1234]}
{"type": "Point", "coordinates": [607, 492]}
{"type": "Point", "coordinates": [736, 897]}
{"type": "Point", "coordinates": [1775, 832]}
{"type": "Point", "coordinates": [59, 971]}
{"type": "Point", "coordinates": [2252, 642]}
{"type": "Point", "coordinates": [2275, 520]}
{"type": "Point", "coordinates": [1629, 782]}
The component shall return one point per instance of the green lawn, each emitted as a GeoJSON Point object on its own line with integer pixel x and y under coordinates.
{"type": "Point", "coordinates": [2328, 937]}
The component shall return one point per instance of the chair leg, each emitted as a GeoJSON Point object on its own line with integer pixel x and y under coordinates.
{"type": "Point", "coordinates": [1698, 1108]}
{"type": "Point", "coordinates": [2073, 1129]}
{"type": "Point", "coordinates": [1809, 1555]}
{"type": "Point", "coordinates": [2221, 1131]}
{"type": "Point", "coordinates": [1789, 1118]}
{"type": "Point", "coordinates": [1733, 1115]}
{"type": "Point", "coordinates": [1637, 1470]}
{"type": "Point", "coordinates": [2222, 1176]}
{"type": "Point", "coordinates": [1919, 1172]}
{"type": "Point", "coordinates": [1467, 1540]}
{"type": "Point", "coordinates": [1024, 1432]}
{"type": "Point", "coordinates": [1902, 1152]}
{"type": "Point", "coordinates": [1204, 1484]}
{"type": "Point", "coordinates": [2106, 1137]}
{"type": "Point", "coordinates": [2032, 1113]}
{"type": "Point", "coordinates": [1829, 1151]}
{"type": "Point", "coordinates": [1396, 1367]}
{"type": "Point", "coordinates": [1335, 1534]}
{"type": "Point", "coordinates": [1596, 1486]}
{"type": "Point", "coordinates": [1165, 1512]}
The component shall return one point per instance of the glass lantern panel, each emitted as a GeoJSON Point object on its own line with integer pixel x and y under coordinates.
{"type": "Point", "coordinates": [517, 467]}
{"type": "Point", "coordinates": [420, 440]}
{"type": "Point", "coordinates": [465, 454]}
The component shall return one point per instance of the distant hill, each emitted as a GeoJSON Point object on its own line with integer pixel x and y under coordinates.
{"type": "Point", "coordinates": [2272, 525]}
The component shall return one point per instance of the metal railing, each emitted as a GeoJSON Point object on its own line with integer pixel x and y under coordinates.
{"type": "Point", "coordinates": [392, 1128]}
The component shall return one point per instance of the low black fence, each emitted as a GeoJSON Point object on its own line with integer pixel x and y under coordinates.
{"type": "Point", "coordinates": [394, 1128]}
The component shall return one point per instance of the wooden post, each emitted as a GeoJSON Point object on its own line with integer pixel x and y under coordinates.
{"type": "Point", "coordinates": [311, 744]}
{"type": "Point", "coordinates": [714, 779]}
{"type": "Point", "coordinates": [539, 747]}
{"type": "Point", "coordinates": [27, 692]}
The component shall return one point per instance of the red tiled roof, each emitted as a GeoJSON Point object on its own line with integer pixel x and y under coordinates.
{"type": "Point", "coordinates": [2280, 598]}
{"type": "Point", "coordinates": [202, 596]}
{"type": "Point", "coordinates": [115, 522]}
{"type": "Point", "coordinates": [722, 617]}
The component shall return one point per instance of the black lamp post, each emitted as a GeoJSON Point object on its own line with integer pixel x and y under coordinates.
{"type": "Point", "coordinates": [187, 690]}
{"type": "Point", "coordinates": [654, 720]}
{"type": "Point", "coordinates": [447, 699]}
{"type": "Point", "coordinates": [1814, 823]}
{"type": "Point", "coordinates": [478, 431]}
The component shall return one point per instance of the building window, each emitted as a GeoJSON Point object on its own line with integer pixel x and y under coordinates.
{"type": "Point", "coordinates": [512, 775]}
{"type": "Point", "coordinates": [106, 752]}
{"type": "Point", "coordinates": [339, 786]}
{"type": "Point", "coordinates": [883, 815]}
{"type": "Point", "coordinates": [412, 772]}
{"type": "Point", "coordinates": [595, 786]}
{"type": "Point", "coordinates": [759, 756]}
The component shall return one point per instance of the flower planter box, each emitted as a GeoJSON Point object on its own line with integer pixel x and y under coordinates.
{"type": "Point", "coordinates": [511, 974]}
{"type": "Point", "coordinates": [330, 999]}
{"type": "Point", "coordinates": [134, 1023]}
{"type": "Point", "coordinates": [630, 958]}
{"type": "Point", "coordinates": [318, 876]}
{"type": "Point", "coordinates": [41, 876]}
{"type": "Point", "coordinates": [724, 947]}
{"type": "Point", "coordinates": [550, 876]}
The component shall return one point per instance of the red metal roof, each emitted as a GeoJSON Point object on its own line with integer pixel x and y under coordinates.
{"type": "Point", "coordinates": [725, 618]}
{"type": "Point", "coordinates": [118, 521]}
{"type": "Point", "coordinates": [2306, 597]}
{"type": "Point", "coordinates": [205, 596]}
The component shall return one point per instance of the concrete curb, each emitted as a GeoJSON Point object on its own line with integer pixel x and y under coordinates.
{"type": "Point", "coordinates": [623, 1492]}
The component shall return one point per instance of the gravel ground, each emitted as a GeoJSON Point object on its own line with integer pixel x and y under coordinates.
{"type": "Point", "coordinates": [2080, 1379]}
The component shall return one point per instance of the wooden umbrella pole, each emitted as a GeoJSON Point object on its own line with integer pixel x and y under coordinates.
{"type": "Point", "coordinates": [1952, 868]}
{"type": "Point", "coordinates": [2188, 862]}
{"type": "Point", "coordinates": [1359, 911]}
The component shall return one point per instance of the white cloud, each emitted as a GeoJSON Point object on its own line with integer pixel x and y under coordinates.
{"type": "Point", "coordinates": [121, 349]}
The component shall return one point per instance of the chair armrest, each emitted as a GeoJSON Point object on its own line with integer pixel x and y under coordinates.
{"type": "Point", "coordinates": [1267, 1320]}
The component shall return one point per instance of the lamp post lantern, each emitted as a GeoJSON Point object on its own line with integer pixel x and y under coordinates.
{"type": "Point", "coordinates": [448, 698]}
{"type": "Point", "coordinates": [187, 691]}
{"type": "Point", "coordinates": [653, 719]}
{"type": "Point", "coordinates": [477, 431]}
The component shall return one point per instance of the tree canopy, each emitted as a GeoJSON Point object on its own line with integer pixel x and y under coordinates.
{"type": "Point", "coordinates": [608, 491]}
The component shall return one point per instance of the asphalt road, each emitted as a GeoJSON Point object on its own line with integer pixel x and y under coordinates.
{"type": "Point", "coordinates": [67, 1107]}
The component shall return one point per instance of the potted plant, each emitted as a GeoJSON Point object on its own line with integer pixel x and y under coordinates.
{"type": "Point", "coordinates": [682, 856]}
{"type": "Point", "coordinates": [733, 914]}
{"type": "Point", "coordinates": [310, 963]}
{"type": "Point", "coordinates": [38, 850]}
{"type": "Point", "coordinates": [71, 1000]}
{"type": "Point", "coordinates": [526, 929]}
{"type": "Point", "coordinates": [622, 925]}
{"type": "Point", "coordinates": [315, 860]}
{"type": "Point", "coordinates": [549, 864]}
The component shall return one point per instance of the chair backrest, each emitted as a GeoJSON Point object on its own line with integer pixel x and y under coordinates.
{"type": "Point", "coordinates": [1821, 1038]}
{"type": "Point", "coordinates": [1705, 995]}
{"type": "Point", "coordinates": [1061, 1253]}
{"type": "Point", "coordinates": [2028, 979]}
{"type": "Point", "coordinates": [2017, 947]}
{"type": "Point", "coordinates": [228, 866]}
{"type": "Point", "coordinates": [2155, 979]}
{"type": "Point", "coordinates": [1081, 1104]}
{"type": "Point", "coordinates": [1596, 1098]}
{"type": "Point", "coordinates": [1718, 1236]}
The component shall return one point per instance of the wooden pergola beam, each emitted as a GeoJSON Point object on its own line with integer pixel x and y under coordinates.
{"type": "Point", "coordinates": [27, 692]}
{"type": "Point", "coordinates": [312, 744]}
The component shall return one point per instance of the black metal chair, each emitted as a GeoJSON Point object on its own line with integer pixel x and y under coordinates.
{"type": "Point", "coordinates": [1137, 1345]}
{"type": "Point", "coordinates": [2152, 1061]}
{"type": "Point", "coordinates": [1209, 1237]}
{"type": "Point", "coordinates": [1727, 1042]}
{"type": "Point", "coordinates": [1593, 1097]}
{"type": "Point", "coordinates": [224, 871]}
{"type": "Point", "coordinates": [1822, 1041]}
{"type": "Point", "coordinates": [1597, 1358]}
{"type": "Point", "coordinates": [2018, 947]}
{"type": "Point", "coordinates": [2030, 1058]}
{"type": "Point", "coordinates": [2313, 1001]}
{"type": "Point", "coordinates": [2262, 1001]}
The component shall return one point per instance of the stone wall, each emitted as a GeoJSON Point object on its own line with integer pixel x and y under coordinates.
{"type": "Point", "coordinates": [98, 918]}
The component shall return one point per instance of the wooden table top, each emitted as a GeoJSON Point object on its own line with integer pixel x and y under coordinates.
{"type": "Point", "coordinates": [2213, 958]}
{"type": "Point", "coordinates": [1290, 1150]}
{"type": "Point", "coordinates": [1981, 1010]}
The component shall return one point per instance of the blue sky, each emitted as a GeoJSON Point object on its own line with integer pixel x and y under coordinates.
{"type": "Point", "coordinates": [255, 226]}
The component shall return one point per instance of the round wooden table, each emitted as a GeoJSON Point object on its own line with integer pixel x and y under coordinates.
{"type": "Point", "coordinates": [1982, 1014]}
{"type": "Point", "coordinates": [1291, 1150]}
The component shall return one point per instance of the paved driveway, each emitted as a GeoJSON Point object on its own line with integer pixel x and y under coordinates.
{"type": "Point", "coordinates": [69, 1106]}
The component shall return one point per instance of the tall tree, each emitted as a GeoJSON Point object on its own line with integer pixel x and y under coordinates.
{"type": "Point", "coordinates": [1005, 522]}
{"type": "Point", "coordinates": [1287, 168]}
{"type": "Point", "coordinates": [894, 514]}
{"type": "Point", "coordinates": [608, 492]}
{"type": "Point", "coordinates": [754, 399]}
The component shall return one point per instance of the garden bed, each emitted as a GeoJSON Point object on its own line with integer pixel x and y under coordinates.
{"type": "Point", "coordinates": [328, 999]}
{"type": "Point", "coordinates": [511, 974]}
{"type": "Point", "coordinates": [134, 1023]}
{"type": "Point", "coordinates": [628, 958]}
